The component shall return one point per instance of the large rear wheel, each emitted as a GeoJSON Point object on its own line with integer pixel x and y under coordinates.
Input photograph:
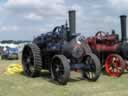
{"type": "Point", "coordinates": [31, 60]}
{"type": "Point", "coordinates": [114, 65]}
{"type": "Point", "coordinates": [60, 69]}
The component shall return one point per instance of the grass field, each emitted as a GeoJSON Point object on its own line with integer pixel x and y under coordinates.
{"type": "Point", "coordinates": [19, 85]}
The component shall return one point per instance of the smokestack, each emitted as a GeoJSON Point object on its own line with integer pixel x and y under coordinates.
{"type": "Point", "coordinates": [72, 21]}
{"type": "Point", "coordinates": [123, 27]}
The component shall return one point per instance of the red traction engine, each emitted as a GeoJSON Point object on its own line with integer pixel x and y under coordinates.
{"type": "Point", "coordinates": [112, 52]}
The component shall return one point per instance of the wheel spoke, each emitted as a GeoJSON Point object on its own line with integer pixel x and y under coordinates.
{"type": "Point", "coordinates": [90, 73]}
{"type": "Point", "coordinates": [59, 71]}
{"type": "Point", "coordinates": [110, 68]}
{"type": "Point", "coordinates": [118, 69]}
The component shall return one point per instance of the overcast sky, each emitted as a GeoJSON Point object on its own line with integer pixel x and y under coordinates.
{"type": "Point", "coordinates": [24, 19]}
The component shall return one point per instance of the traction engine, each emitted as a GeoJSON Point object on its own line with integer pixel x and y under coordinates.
{"type": "Point", "coordinates": [112, 52]}
{"type": "Point", "coordinates": [59, 53]}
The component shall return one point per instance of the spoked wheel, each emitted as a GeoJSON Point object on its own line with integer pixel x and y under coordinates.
{"type": "Point", "coordinates": [92, 67]}
{"type": "Point", "coordinates": [31, 60]}
{"type": "Point", "coordinates": [60, 69]}
{"type": "Point", "coordinates": [114, 65]}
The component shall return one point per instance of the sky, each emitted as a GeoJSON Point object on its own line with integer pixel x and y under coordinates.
{"type": "Point", "coordinates": [25, 19]}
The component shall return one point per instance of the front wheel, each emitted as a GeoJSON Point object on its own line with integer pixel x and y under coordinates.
{"type": "Point", "coordinates": [60, 69]}
{"type": "Point", "coordinates": [92, 67]}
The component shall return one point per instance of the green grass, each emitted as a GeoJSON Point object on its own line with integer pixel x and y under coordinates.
{"type": "Point", "coordinates": [19, 85]}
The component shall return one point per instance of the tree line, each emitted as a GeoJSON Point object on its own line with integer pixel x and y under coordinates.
{"type": "Point", "coordinates": [14, 41]}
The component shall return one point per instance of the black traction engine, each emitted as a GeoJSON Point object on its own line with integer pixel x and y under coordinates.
{"type": "Point", "coordinates": [59, 52]}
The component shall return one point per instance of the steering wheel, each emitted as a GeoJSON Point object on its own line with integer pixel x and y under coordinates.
{"type": "Point", "coordinates": [100, 35]}
{"type": "Point", "coordinates": [57, 29]}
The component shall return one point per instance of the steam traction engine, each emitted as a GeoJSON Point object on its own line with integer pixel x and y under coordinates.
{"type": "Point", "coordinates": [59, 52]}
{"type": "Point", "coordinates": [112, 52]}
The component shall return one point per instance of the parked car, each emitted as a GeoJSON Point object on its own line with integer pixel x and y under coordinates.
{"type": "Point", "coordinates": [1, 49]}
{"type": "Point", "coordinates": [10, 53]}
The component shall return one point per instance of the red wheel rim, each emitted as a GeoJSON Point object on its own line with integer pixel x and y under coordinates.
{"type": "Point", "coordinates": [113, 66]}
{"type": "Point", "coordinates": [126, 67]}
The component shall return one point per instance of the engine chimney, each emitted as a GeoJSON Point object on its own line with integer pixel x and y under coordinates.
{"type": "Point", "coordinates": [123, 28]}
{"type": "Point", "coordinates": [72, 21]}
